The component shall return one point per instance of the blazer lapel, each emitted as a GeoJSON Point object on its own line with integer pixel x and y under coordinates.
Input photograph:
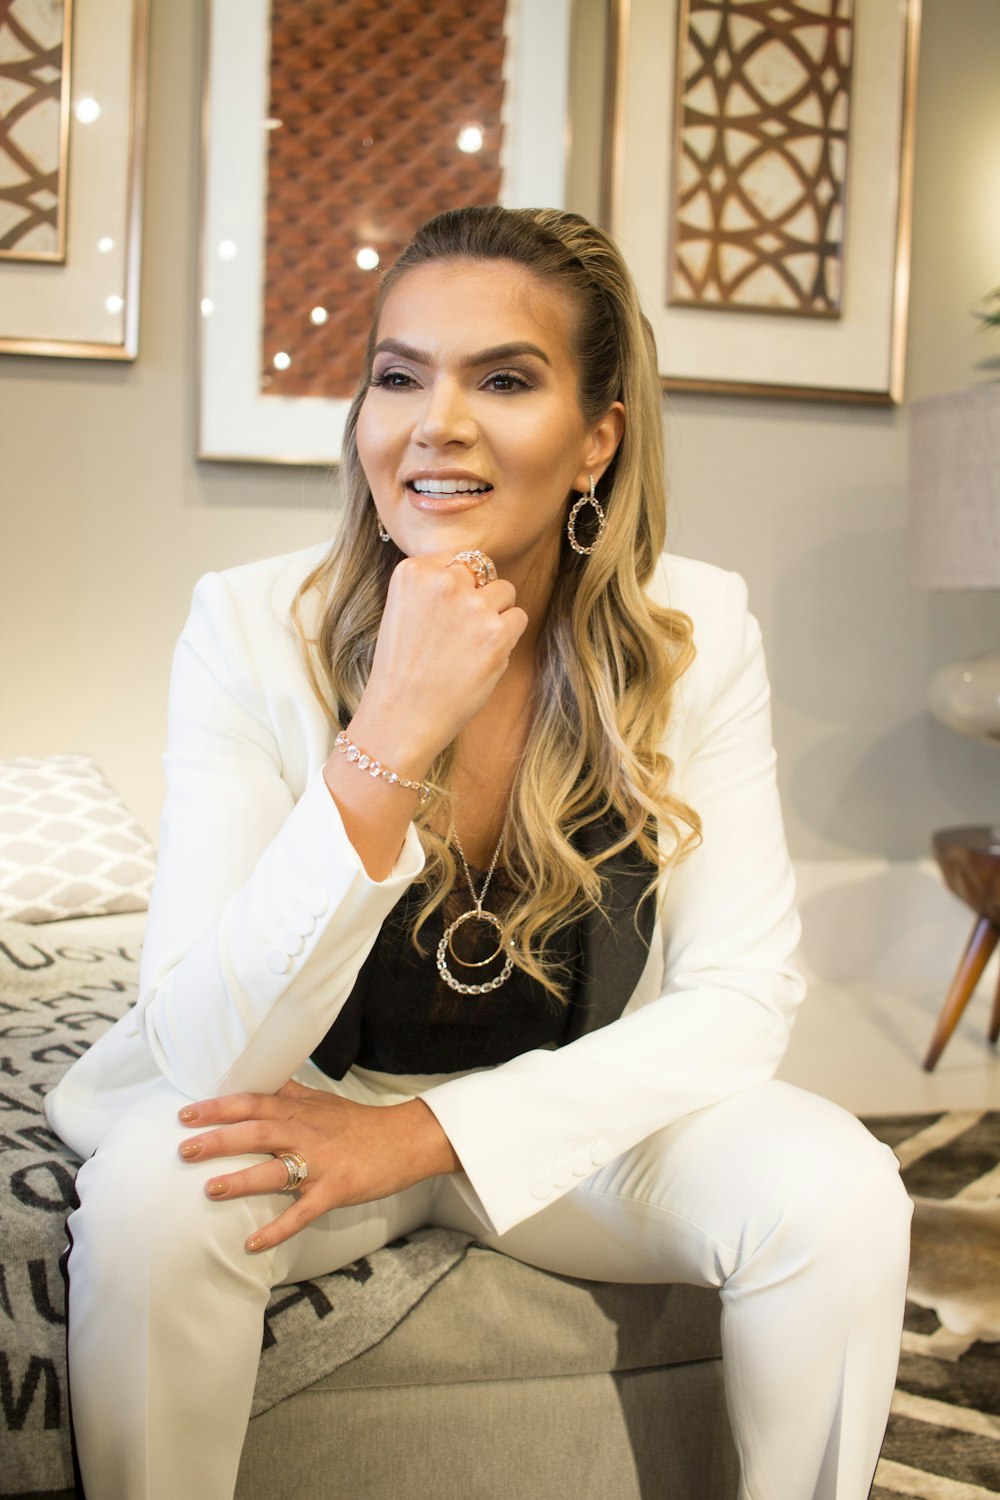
{"type": "Point", "coordinates": [615, 940]}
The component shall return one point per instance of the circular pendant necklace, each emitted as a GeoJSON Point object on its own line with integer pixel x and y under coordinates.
{"type": "Point", "coordinates": [446, 946]}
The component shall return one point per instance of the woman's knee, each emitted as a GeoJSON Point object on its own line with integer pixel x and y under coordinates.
{"type": "Point", "coordinates": [778, 1161]}
{"type": "Point", "coordinates": [834, 1186]}
{"type": "Point", "coordinates": [144, 1213]}
{"type": "Point", "coordinates": [868, 1204]}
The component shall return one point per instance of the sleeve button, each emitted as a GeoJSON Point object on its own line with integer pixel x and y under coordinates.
{"type": "Point", "coordinates": [316, 902]}
{"type": "Point", "coordinates": [600, 1152]}
{"type": "Point", "coordinates": [303, 921]}
{"type": "Point", "coordinates": [540, 1187]}
{"type": "Point", "coordinates": [277, 962]}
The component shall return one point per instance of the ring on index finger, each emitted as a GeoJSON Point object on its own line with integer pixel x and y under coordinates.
{"type": "Point", "coordinates": [297, 1168]}
{"type": "Point", "coordinates": [479, 565]}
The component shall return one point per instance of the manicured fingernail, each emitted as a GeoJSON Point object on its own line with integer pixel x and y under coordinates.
{"type": "Point", "coordinates": [191, 1148]}
{"type": "Point", "coordinates": [217, 1189]}
{"type": "Point", "coordinates": [257, 1242]}
{"type": "Point", "coordinates": [188, 1114]}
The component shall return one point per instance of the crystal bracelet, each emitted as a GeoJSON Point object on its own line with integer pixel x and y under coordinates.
{"type": "Point", "coordinates": [375, 768]}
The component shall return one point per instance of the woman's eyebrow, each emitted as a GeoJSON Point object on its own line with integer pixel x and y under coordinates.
{"type": "Point", "coordinates": [497, 355]}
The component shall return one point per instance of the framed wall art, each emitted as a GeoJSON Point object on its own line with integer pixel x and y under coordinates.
{"type": "Point", "coordinates": [760, 165]}
{"type": "Point", "coordinates": [72, 105]}
{"type": "Point", "coordinates": [332, 129]}
{"type": "Point", "coordinates": [36, 62]}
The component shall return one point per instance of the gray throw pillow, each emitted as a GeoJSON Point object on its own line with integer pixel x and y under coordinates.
{"type": "Point", "coordinates": [69, 847]}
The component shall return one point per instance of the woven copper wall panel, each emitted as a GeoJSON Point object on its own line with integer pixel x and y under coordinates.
{"type": "Point", "coordinates": [761, 155]}
{"type": "Point", "coordinates": [371, 96]}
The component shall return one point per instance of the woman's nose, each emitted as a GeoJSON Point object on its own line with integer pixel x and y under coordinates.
{"type": "Point", "coordinates": [445, 416]}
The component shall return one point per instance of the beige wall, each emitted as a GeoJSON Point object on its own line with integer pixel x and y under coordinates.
{"type": "Point", "coordinates": [108, 519]}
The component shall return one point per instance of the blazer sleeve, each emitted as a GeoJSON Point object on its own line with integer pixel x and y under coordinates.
{"type": "Point", "coordinates": [262, 912]}
{"type": "Point", "coordinates": [529, 1130]}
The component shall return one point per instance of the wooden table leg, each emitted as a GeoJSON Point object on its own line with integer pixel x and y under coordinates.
{"type": "Point", "coordinates": [995, 1018]}
{"type": "Point", "coordinates": [974, 960]}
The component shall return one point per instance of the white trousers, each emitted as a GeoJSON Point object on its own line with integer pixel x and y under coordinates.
{"type": "Point", "coordinates": [778, 1198]}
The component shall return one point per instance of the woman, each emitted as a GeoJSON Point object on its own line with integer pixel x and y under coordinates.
{"type": "Point", "coordinates": [474, 909]}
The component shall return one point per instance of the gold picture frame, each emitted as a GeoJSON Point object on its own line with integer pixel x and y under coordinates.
{"type": "Point", "coordinates": [857, 357]}
{"type": "Point", "coordinates": [33, 170]}
{"type": "Point", "coordinates": [86, 306]}
{"type": "Point", "coordinates": [237, 420]}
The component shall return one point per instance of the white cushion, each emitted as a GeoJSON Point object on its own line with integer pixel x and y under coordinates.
{"type": "Point", "coordinates": [69, 847]}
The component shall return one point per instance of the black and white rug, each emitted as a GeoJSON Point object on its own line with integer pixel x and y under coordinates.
{"type": "Point", "coordinates": [943, 1440]}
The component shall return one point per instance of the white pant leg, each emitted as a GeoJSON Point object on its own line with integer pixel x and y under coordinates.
{"type": "Point", "coordinates": [166, 1306]}
{"type": "Point", "coordinates": [776, 1197]}
{"type": "Point", "coordinates": [797, 1214]}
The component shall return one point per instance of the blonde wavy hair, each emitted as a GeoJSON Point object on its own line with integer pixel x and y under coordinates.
{"type": "Point", "coordinates": [609, 656]}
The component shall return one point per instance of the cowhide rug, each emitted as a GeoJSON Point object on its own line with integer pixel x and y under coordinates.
{"type": "Point", "coordinates": [955, 1264]}
{"type": "Point", "coordinates": [943, 1439]}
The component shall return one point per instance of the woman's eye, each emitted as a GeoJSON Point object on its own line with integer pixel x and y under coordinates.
{"type": "Point", "coordinates": [506, 380]}
{"type": "Point", "coordinates": [393, 380]}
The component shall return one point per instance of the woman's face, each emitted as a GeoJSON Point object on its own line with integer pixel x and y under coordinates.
{"type": "Point", "coordinates": [471, 434]}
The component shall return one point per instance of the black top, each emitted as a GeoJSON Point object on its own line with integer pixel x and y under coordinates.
{"type": "Point", "coordinates": [401, 1016]}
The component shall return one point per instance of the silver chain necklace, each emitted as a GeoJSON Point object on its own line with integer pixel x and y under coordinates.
{"type": "Point", "coordinates": [477, 914]}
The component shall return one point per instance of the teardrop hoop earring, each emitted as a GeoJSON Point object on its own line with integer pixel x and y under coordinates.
{"type": "Point", "coordinates": [590, 499]}
{"type": "Point", "coordinates": [383, 535]}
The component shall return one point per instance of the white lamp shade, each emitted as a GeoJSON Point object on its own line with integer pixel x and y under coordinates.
{"type": "Point", "coordinates": [955, 490]}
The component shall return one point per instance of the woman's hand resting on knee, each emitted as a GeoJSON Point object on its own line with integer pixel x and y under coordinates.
{"type": "Point", "coordinates": [355, 1152]}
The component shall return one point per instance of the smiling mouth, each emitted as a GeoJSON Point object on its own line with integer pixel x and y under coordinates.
{"type": "Point", "coordinates": [449, 487]}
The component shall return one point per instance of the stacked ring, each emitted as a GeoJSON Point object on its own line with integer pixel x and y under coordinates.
{"type": "Point", "coordinates": [479, 565]}
{"type": "Point", "coordinates": [297, 1168]}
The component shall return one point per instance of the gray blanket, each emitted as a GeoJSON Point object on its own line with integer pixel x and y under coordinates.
{"type": "Point", "coordinates": [61, 985]}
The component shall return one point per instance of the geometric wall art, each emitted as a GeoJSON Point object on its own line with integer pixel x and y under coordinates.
{"type": "Point", "coordinates": [759, 181]}
{"type": "Point", "coordinates": [378, 118]}
{"type": "Point", "coordinates": [72, 116]}
{"type": "Point", "coordinates": [345, 124]}
{"type": "Point", "coordinates": [34, 127]}
{"type": "Point", "coordinates": [760, 151]}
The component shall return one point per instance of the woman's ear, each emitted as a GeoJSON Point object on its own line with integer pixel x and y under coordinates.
{"type": "Point", "coordinates": [601, 445]}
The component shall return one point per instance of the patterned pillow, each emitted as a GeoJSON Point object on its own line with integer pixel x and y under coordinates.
{"type": "Point", "coordinates": [69, 847]}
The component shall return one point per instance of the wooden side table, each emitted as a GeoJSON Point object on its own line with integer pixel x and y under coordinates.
{"type": "Point", "coordinates": [970, 863]}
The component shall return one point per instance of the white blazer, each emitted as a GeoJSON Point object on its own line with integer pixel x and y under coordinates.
{"type": "Point", "coordinates": [262, 913]}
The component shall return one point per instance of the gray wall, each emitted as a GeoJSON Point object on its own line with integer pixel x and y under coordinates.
{"type": "Point", "coordinates": [108, 519]}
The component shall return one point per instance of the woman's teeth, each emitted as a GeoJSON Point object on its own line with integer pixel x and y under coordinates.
{"type": "Point", "coordinates": [449, 486]}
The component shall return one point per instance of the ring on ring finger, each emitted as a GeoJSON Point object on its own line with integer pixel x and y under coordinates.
{"type": "Point", "coordinates": [296, 1167]}
{"type": "Point", "coordinates": [479, 565]}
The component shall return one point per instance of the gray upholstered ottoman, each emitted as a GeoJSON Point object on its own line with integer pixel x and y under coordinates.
{"type": "Point", "coordinates": [506, 1383]}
